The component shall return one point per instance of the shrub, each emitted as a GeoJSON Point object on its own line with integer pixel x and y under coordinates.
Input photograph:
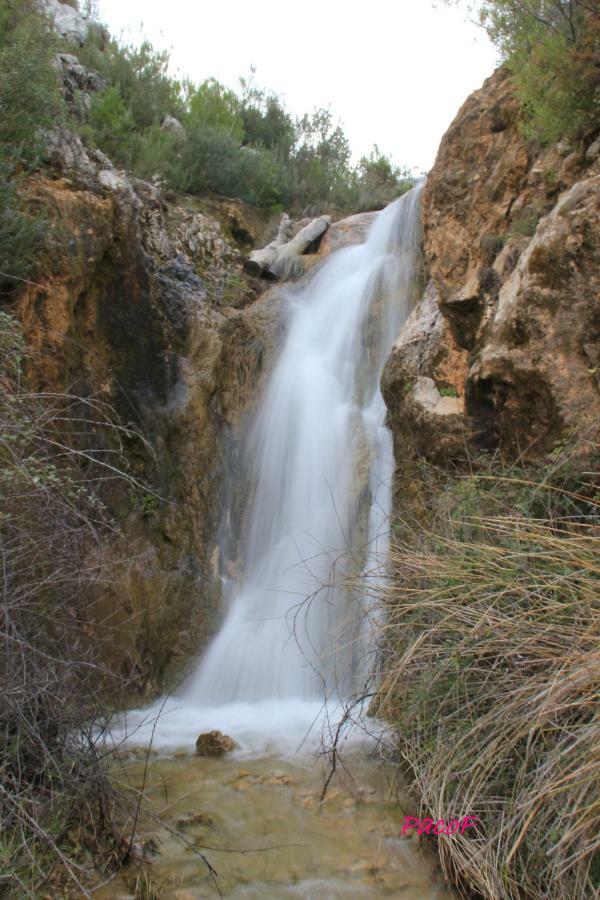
{"type": "Point", "coordinates": [22, 233]}
{"type": "Point", "coordinates": [29, 96]}
{"type": "Point", "coordinates": [553, 49]}
{"type": "Point", "coordinates": [112, 126]}
{"type": "Point", "coordinates": [139, 94]}
{"type": "Point", "coordinates": [239, 144]}
{"type": "Point", "coordinates": [492, 676]}
{"type": "Point", "coordinates": [379, 181]}
{"type": "Point", "coordinates": [212, 105]}
{"type": "Point", "coordinates": [54, 788]}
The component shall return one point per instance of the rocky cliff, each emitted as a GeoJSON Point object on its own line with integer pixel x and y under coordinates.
{"type": "Point", "coordinates": [503, 349]}
{"type": "Point", "coordinates": [142, 305]}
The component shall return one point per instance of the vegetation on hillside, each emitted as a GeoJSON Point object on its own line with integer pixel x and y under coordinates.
{"type": "Point", "coordinates": [553, 50]}
{"type": "Point", "coordinates": [29, 103]}
{"type": "Point", "coordinates": [239, 144]}
{"type": "Point", "coordinates": [492, 672]}
{"type": "Point", "coordinates": [242, 144]}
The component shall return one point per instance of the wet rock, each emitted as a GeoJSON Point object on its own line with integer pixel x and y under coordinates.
{"type": "Point", "coordinates": [191, 819]}
{"type": "Point", "coordinates": [214, 743]}
{"type": "Point", "coordinates": [347, 232]}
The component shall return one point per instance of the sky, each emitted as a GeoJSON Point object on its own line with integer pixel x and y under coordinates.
{"type": "Point", "coordinates": [395, 72]}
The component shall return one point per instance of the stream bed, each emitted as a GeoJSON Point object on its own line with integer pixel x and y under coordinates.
{"type": "Point", "coordinates": [260, 823]}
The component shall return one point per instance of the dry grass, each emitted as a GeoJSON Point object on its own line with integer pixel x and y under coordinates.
{"type": "Point", "coordinates": [492, 649]}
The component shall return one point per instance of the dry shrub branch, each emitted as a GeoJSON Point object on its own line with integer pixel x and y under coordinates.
{"type": "Point", "coordinates": [57, 454]}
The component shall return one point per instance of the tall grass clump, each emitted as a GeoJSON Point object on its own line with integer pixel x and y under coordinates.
{"type": "Point", "coordinates": [492, 680]}
{"type": "Point", "coordinates": [55, 796]}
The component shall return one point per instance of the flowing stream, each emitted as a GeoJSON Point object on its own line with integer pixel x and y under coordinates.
{"type": "Point", "coordinates": [298, 637]}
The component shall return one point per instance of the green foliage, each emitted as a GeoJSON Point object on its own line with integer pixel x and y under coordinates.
{"type": "Point", "coordinates": [322, 161]}
{"type": "Point", "coordinates": [22, 233]}
{"type": "Point", "coordinates": [113, 125]}
{"type": "Point", "coordinates": [212, 105]}
{"type": "Point", "coordinates": [237, 144]}
{"type": "Point", "coordinates": [379, 181]}
{"type": "Point", "coordinates": [553, 50]}
{"type": "Point", "coordinates": [29, 103]}
{"type": "Point", "coordinates": [29, 97]}
{"type": "Point", "coordinates": [125, 117]}
{"type": "Point", "coordinates": [266, 121]}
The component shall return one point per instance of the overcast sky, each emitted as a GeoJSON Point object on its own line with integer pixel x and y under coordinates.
{"type": "Point", "coordinates": [395, 73]}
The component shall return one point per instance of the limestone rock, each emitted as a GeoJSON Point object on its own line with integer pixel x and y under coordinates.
{"type": "Point", "coordinates": [346, 232]}
{"type": "Point", "coordinates": [132, 278]}
{"type": "Point", "coordinates": [508, 326]}
{"type": "Point", "coordinates": [593, 151]}
{"type": "Point", "coordinates": [425, 350]}
{"type": "Point", "coordinates": [214, 743]}
{"type": "Point", "coordinates": [112, 180]}
{"type": "Point", "coordinates": [67, 21]}
{"type": "Point", "coordinates": [78, 84]}
{"type": "Point", "coordinates": [173, 126]}
{"type": "Point", "coordinates": [537, 374]}
{"type": "Point", "coordinates": [66, 152]}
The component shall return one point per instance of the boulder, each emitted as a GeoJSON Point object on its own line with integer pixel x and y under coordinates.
{"type": "Point", "coordinates": [173, 126]}
{"type": "Point", "coordinates": [214, 743]}
{"type": "Point", "coordinates": [347, 232]}
{"type": "Point", "coordinates": [67, 21]}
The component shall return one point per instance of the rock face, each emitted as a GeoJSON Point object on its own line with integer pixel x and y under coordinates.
{"type": "Point", "coordinates": [508, 328]}
{"type": "Point", "coordinates": [144, 307]}
{"type": "Point", "coordinates": [68, 22]}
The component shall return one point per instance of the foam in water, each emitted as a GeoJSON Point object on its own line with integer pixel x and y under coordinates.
{"type": "Point", "coordinates": [322, 466]}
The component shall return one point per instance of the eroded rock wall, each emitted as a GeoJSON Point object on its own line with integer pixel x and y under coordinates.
{"type": "Point", "coordinates": [143, 306]}
{"type": "Point", "coordinates": [503, 349]}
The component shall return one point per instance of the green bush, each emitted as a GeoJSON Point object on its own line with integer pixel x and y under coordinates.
{"type": "Point", "coordinates": [22, 233]}
{"type": "Point", "coordinates": [238, 144]}
{"type": "Point", "coordinates": [139, 94]}
{"type": "Point", "coordinates": [379, 181]}
{"type": "Point", "coordinates": [30, 103]}
{"type": "Point", "coordinates": [29, 98]}
{"type": "Point", "coordinates": [553, 50]}
{"type": "Point", "coordinates": [212, 105]}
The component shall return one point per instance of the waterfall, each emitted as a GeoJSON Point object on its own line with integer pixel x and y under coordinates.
{"type": "Point", "coordinates": [320, 495]}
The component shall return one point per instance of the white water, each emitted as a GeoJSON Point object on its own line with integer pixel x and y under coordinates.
{"type": "Point", "coordinates": [292, 636]}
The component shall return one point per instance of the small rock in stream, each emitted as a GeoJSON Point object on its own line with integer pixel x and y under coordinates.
{"type": "Point", "coordinates": [214, 743]}
{"type": "Point", "coordinates": [190, 819]}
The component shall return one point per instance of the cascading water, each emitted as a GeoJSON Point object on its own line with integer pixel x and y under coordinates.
{"type": "Point", "coordinates": [322, 470]}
